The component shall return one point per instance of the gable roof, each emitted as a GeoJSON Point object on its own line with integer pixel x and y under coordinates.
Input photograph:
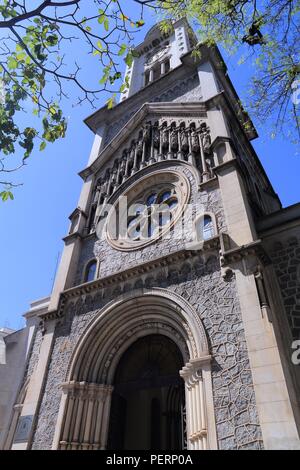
{"type": "Point", "coordinates": [197, 109]}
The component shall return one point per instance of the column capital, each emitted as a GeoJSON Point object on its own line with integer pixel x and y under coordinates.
{"type": "Point", "coordinates": [192, 371]}
{"type": "Point", "coordinates": [87, 390]}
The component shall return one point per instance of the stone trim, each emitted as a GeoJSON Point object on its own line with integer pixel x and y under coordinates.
{"type": "Point", "coordinates": [121, 276]}
{"type": "Point", "coordinates": [85, 405]}
{"type": "Point", "coordinates": [254, 248]}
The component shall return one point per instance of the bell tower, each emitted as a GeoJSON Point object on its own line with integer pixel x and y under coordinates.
{"type": "Point", "coordinates": [166, 327]}
{"type": "Point", "coordinates": [159, 53]}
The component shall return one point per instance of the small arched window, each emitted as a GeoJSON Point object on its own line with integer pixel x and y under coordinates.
{"type": "Point", "coordinates": [90, 271]}
{"type": "Point", "coordinates": [208, 227]}
{"type": "Point", "coordinates": [205, 227]}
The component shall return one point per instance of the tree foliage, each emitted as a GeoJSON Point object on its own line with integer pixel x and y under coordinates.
{"type": "Point", "coordinates": [264, 32]}
{"type": "Point", "coordinates": [39, 65]}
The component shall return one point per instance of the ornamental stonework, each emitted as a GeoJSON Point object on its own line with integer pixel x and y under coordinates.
{"type": "Point", "coordinates": [215, 300]}
{"type": "Point", "coordinates": [112, 261]}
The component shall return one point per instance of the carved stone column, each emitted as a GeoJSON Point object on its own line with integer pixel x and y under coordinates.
{"type": "Point", "coordinates": [86, 419]}
{"type": "Point", "coordinates": [110, 178]}
{"type": "Point", "coordinates": [180, 139]}
{"type": "Point", "coordinates": [171, 137]}
{"type": "Point", "coordinates": [152, 159]}
{"type": "Point", "coordinates": [114, 180]}
{"type": "Point", "coordinates": [191, 157]}
{"type": "Point", "coordinates": [160, 150]}
{"type": "Point", "coordinates": [126, 153]}
{"type": "Point", "coordinates": [205, 173]}
{"type": "Point", "coordinates": [123, 168]}
{"type": "Point", "coordinates": [135, 167]}
{"type": "Point", "coordinates": [196, 412]}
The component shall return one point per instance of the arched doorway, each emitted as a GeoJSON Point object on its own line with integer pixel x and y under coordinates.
{"type": "Point", "coordinates": [94, 372]}
{"type": "Point", "coordinates": [148, 398]}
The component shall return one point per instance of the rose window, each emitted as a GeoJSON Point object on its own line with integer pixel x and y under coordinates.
{"type": "Point", "coordinates": [147, 210]}
{"type": "Point", "coordinates": [148, 217]}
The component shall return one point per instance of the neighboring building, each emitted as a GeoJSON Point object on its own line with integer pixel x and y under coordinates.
{"type": "Point", "coordinates": [160, 341]}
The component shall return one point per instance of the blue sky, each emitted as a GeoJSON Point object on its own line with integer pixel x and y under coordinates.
{"type": "Point", "coordinates": [33, 225]}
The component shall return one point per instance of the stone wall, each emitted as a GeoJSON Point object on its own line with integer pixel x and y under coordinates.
{"type": "Point", "coordinates": [112, 260]}
{"type": "Point", "coordinates": [187, 90]}
{"type": "Point", "coordinates": [215, 299]}
{"type": "Point", "coordinates": [34, 353]}
{"type": "Point", "coordinates": [285, 256]}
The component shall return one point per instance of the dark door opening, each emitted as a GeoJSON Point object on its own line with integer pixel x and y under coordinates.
{"type": "Point", "coordinates": [148, 398]}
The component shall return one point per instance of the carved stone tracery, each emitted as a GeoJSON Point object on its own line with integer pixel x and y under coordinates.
{"type": "Point", "coordinates": [156, 141]}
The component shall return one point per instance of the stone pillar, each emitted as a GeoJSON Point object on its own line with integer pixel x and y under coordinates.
{"type": "Point", "coordinates": [126, 164]}
{"type": "Point", "coordinates": [85, 421]}
{"type": "Point", "coordinates": [160, 156]}
{"type": "Point", "coordinates": [143, 162]}
{"type": "Point", "coordinates": [151, 159]}
{"type": "Point", "coordinates": [196, 406]}
{"type": "Point", "coordinates": [191, 157]}
{"type": "Point", "coordinates": [205, 173]}
{"type": "Point", "coordinates": [170, 153]}
{"type": "Point", "coordinates": [135, 167]}
{"type": "Point", "coordinates": [179, 154]}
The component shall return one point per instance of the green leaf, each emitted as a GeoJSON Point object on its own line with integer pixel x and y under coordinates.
{"type": "Point", "coordinates": [123, 49]}
{"type": "Point", "coordinates": [5, 195]}
{"type": "Point", "coordinates": [129, 59]}
{"type": "Point", "coordinates": [106, 24]}
{"type": "Point", "coordinates": [43, 145]}
{"type": "Point", "coordinates": [110, 102]}
{"type": "Point", "coordinates": [12, 63]}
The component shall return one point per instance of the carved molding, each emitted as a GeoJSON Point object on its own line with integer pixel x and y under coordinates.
{"type": "Point", "coordinates": [123, 276]}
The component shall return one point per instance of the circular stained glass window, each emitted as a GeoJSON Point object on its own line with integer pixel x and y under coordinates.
{"type": "Point", "coordinates": [150, 218]}
{"type": "Point", "coordinates": [147, 210]}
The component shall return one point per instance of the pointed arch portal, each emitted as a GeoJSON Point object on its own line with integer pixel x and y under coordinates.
{"type": "Point", "coordinates": [139, 378]}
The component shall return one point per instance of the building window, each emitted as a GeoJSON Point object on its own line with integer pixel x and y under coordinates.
{"type": "Point", "coordinates": [205, 227]}
{"type": "Point", "coordinates": [156, 72]}
{"type": "Point", "coordinates": [90, 271]}
{"type": "Point", "coordinates": [156, 69]}
{"type": "Point", "coordinates": [167, 66]}
{"type": "Point", "coordinates": [147, 77]}
{"type": "Point", "coordinates": [208, 228]}
{"type": "Point", "coordinates": [152, 214]}
{"type": "Point", "coordinates": [154, 205]}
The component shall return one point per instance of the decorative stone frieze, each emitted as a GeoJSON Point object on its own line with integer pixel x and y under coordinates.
{"type": "Point", "coordinates": [165, 139]}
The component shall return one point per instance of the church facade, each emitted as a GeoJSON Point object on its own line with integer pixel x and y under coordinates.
{"type": "Point", "coordinates": [174, 318]}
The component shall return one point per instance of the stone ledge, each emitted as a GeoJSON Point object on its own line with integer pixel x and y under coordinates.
{"type": "Point", "coordinates": [210, 245]}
